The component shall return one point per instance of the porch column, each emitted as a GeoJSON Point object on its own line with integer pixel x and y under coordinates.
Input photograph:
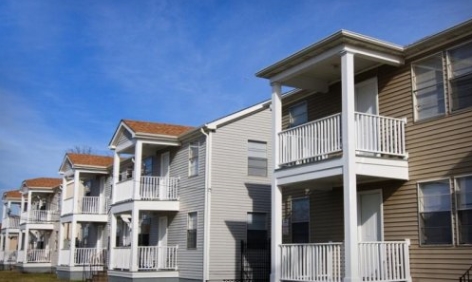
{"type": "Point", "coordinates": [111, 250]}
{"type": "Point", "coordinates": [351, 245]}
{"type": "Point", "coordinates": [75, 202]}
{"type": "Point", "coordinates": [2, 238]}
{"type": "Point", "coordinates": [30, 206]}
{"type": "Point", "coordinates": [60, 244]}
{"type": "Point", "coordinates": [4, 214]}
{"type": "Point", "coordinates": [63, 193]}
{"type": "Point", "coordinates": [276, 192]}
{"type": "Point", "coordinates": [25, 260]}
{"type": "Point", "coordinates": [134, 239]}
{"type": "Point", "coordinates": [18, 248]}
{"type": "Point", "coordinates": [116, 175]}
{"type": "Point", "coordinates": [73, 231]}
{"type": "Point", "coordinates": [138, 158]}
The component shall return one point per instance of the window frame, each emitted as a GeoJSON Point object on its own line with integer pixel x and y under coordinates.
{"type": "Point", "coordinates": [193, 159]}
{"type": "Point", "coordinates": [257, 159]}
{"type": "Point", "coordinates": [456, 212]}
{"type": "Point", "coordinates": [254, 245]}
{"type": "Point", "coordinates": [194, 228]}
{"type": "Point", "coordinates": [291, 108]}
{"type": "Point", "coordinates": [414, 88]}
{"type": "Point", "coordinates": [419, 212]}
{"type": "Point", "coordinates": [449, 76]}
{"type": "Point", "coordinates": [146, 166]}
{"type": "Point", "coordinates": [292, 221]}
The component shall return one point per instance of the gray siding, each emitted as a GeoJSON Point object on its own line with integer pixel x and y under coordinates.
{"type": "Point", "coordinates": [192, 199]}
{"type": "Point", "coordinates": [234, 193]}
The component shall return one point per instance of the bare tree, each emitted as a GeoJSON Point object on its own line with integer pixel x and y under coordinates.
{"type": "Point", "coordinates": [81, 150]}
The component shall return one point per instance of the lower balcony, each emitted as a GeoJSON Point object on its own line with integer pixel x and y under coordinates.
{"type": "Point", "coordinates": [38, 256]}
{"type": "Point", "coordinates": [150, 258]}
{"type": "Point", "coordinates": [8, 256]}
{"type": "Point", "coordinates": [378, 261]}
{"type": "Point", "coordinates": [39, 216]}
{"type": "Point", "coordinates": [84, 256]}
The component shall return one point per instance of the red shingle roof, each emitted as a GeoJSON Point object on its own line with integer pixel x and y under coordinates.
{"type": "Point", "coordinates": [90, 160]}
{"type": "Point", "coordinates": [43, 182]}
{"type": "Point", "coordinates": [13, 194]}
{"type": "Point", "coordinates": [157, 128]}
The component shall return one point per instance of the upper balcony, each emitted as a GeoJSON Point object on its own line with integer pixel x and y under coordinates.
{"type": "Point", "coordinates": [149, 188]}
{"type": "Point", "coordinates": [11, 222]}
{"type": "Point", "coordinates": [44, 218]}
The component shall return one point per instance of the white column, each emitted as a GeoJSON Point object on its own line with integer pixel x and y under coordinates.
{"type": "Point", "coordinates": [30, 206]}
{"type": "Point", "coordinates": [26, 245]}
{"type": "Point", "coordinates": [4, 214]}
{"type": "Point", "coordinates": [276, 192]}
{"type": "Point", "coordinates": [134, 239]}
{"type": "Point", "coordinates": [351, 245]}
{"type": "Point", "coordinates": [22, 207]}
{"type": "Point", "coordinates": [2, 238]}
{"type": "Point", "coordinates": [138, 158]}
{"type": "Point", "coordinates": [111, 251]}
{"type": "Point", "coordinates": [61, 242]}
{"type": "Point", "coordinates": [75, 202]}
{"type": "Point", "coordinates": [73, 231]}
{"type": "Point", "coordinates": [63, 193]}
{"type": "Point", "coordinates": [116, 175]}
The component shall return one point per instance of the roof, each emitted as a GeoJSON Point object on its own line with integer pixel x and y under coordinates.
{"type": "Point", "coordinates": [13, 194]}
{"type": "Point", "coordinates": [90, 160]}
{"type": "Point", "coordinates": [156, 128]}
{"type": "Point", "coordinates": [42, 182]}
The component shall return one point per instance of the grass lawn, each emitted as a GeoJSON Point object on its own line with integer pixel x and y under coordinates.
{"type": "Point", "coordinates": [15, 276]}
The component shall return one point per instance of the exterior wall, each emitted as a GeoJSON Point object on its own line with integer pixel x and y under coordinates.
{"type": "Point", "coordinates": [191, 194]}
{"type": "Point", "coordinates": [234, 193]}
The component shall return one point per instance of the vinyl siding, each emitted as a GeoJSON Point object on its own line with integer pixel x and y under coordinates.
{"type": "Point", "coordinates": [234, 193]}
{"type": "Point", "coordinates": [192, 199]}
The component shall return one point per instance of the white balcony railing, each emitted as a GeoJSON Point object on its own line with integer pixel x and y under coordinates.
{"type": "Point", "coordinates": [317, 139]}
{"type": "Point", "coordinates": [40, 216]}
{"type": "Point", "coordinates": [11, 222]}
{"type": "Point", "coordinates": [10, 256]}
{"type": "Point", "coordinates": [159, 188]}
{"type": "Point", "coordinates": [90, 256]}
{"type": "Point", "coordinates": [380, 135]}
{"type": "Point", "coordinates": [157, 258]}
{"type": "Point", "coordinates": [121, 259]}
{"type": "Point", "coordinates": [310, 141]}
{"type": "Point", "coordinates": [378, 261]}
{"type": "Point", "coordinates": [2, 255]}
{"type": "Point", "coordinates": [150, 188]}
{"type": "Point", "coordinates": [64, 257]}
{"type": "Point", "coordinates": [43, 255]}
{"type": "Point", "coordinates": [91, 205]}
{"type": "Point", "coordinates": [67, 206]}
{"type": "Point", "coordinates": [311, 262]}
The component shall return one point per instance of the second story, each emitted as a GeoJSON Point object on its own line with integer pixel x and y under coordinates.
{"type": "Point", "coordinates": [40, 202]}
{"type": "Point", "coordinates": [87, 186]}
{"type": "Point", "coordinates": [377, 98]}
{"type": "Point", "coordinates": [11, 210]}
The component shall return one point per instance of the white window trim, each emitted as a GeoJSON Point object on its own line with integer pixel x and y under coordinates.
{"type": "Point", "coordinates": [456, 214]}
{"type": "Point", "coordinates": [447, 75]}
{"type": "Point", "coordinates": [309, 216]}
{"type": "Point", "coordinates": [453, 234]}
{"type": "Point", "coordinates": [196, 230]}
{"type": "Point", "coordinates": [190, 145]}
{"type": "Point", "coordinates": [266, 158]}
{"type": "Point", "coordinates": [290, 118]}
{"type": "Point", "coordinates": [413, 88]}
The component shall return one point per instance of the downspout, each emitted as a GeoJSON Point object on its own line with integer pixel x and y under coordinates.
{"type": "Point", "coordinates": [207, 210]}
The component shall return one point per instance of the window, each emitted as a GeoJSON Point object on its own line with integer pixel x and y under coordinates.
{"type": "Point", "coordinates": [257, 158]}
{"type": "Point", "coordinates": [431, 82]}
{"type": "Point", "coordinates": [147, 166]}
{"type": "Point", "coordinates": [460, 76]}
{"type": "Point", "coordinates": [193, 149]}
{"type": "Point", "coordinates": [429, 87]}
{"type": "Point", "coordinates": [435, 213]}
{"type": "Point", "coordinates": [298, 114]}
{"type": "Point", "coordinates": [192, 230]}
{"type": "Point", "coordinates": [300, 220]}
{"type": "Point", "coordinates": [464, 209]}
{"type": "Point", "coordinates": [256, 230]}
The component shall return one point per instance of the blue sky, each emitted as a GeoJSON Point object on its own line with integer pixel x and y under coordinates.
{"type": "Point", "coordinates": [70, 70]}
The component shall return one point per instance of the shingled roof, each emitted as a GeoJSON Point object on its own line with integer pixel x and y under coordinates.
{"type": "Point", "coordinates": [13, 194]}
{"type": "Point", "coordinates": [43, 182]}
{"type": "Point", "coordinates": [90, 160]}
{"type": "Point", "coordinates": [156, 128]}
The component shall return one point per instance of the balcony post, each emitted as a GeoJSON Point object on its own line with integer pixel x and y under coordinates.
{"type": "Point", "coordinates": [138, 156]}
{"type": "Point", "coordinates": [351, 246]}
{"type": "Point", "coordinates": [116, 175]}
{"type": "Point", "coordinates": [111, 251]}
{"type": "Point", "coordinates": [276, 120]}
{"type": "Point", "coordinates": [29, 207]}
{"type": "Point", "coordinates": [276, 227]}
{"type": "Point", "coordinates": [63, 193]}
{"type": "Point", "coordinates": [75, 202]}
{"type": "Point", "coordinates": [61, 243]}
{"type": "Point", "coordinates": [134, 239]}
{"type": "Point", "coordinates": [25, 253]}
{"type": "Point", "coordinates": [73, 230]}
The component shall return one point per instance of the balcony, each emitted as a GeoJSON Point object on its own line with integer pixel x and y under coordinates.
{"type": "Point", "coordinates": [155, 258]}
{"type": "Point", "coordinates": [380, 143]}
{"type": "Point", "coordinates": [150, 188]}
{"type": "Point", "coordinates": [90, 205]}
{"type": "Point", "coordinates": [39, 216]}
{"type": "Point", "coordinates": [11, 222]}
{"type": "Point", "coordinates": [378, 261]}
{"type": "Point", "coordinates": [36, 255]}
{"type": "Point", "coordinates": [84, 256]}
